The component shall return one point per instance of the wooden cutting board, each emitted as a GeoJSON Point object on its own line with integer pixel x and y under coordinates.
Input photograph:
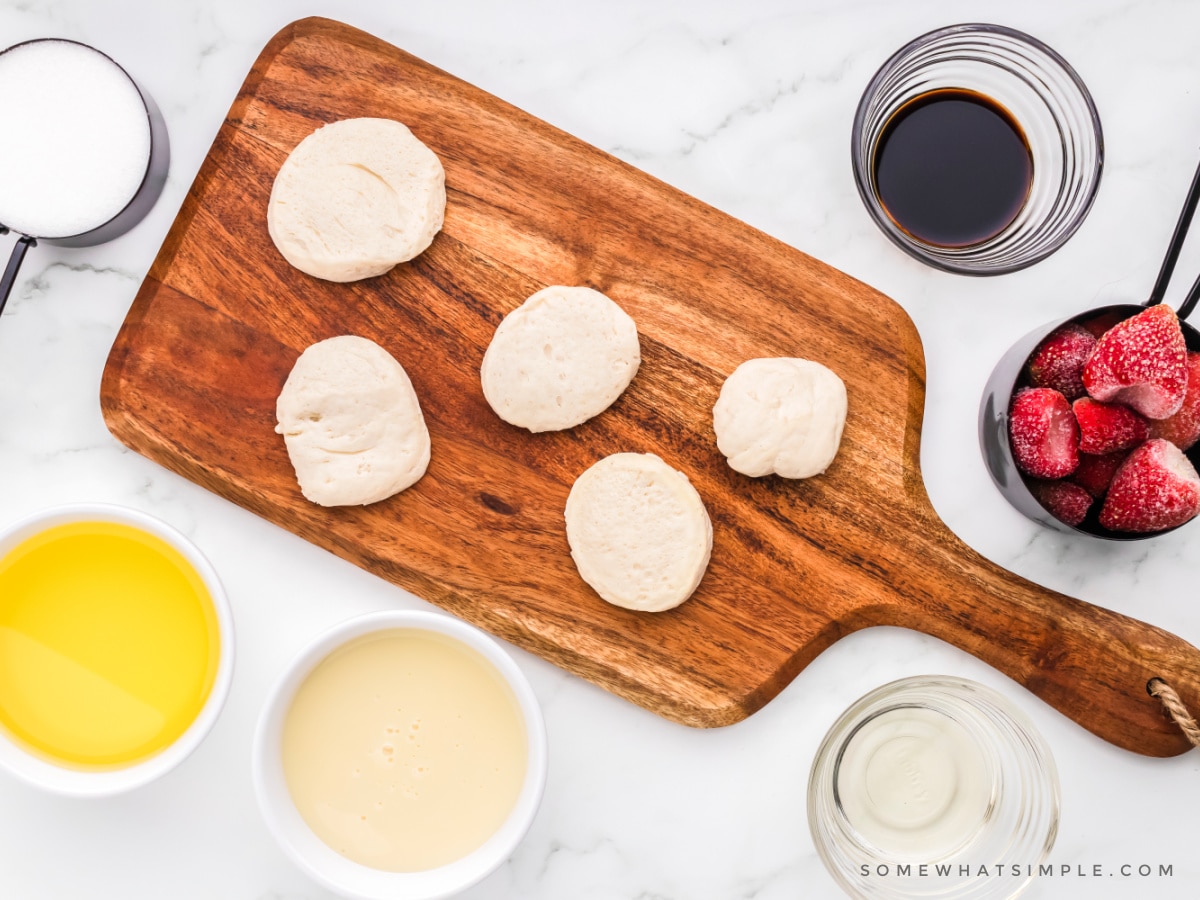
{"type": "Point", "coordinates": [220, 319]}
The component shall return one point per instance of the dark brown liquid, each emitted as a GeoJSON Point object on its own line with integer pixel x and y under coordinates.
{"type": "Point", "coordinates": [952, 168]}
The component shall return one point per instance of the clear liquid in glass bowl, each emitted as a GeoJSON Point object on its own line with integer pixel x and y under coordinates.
{"type": "Point", "coordinates": [933, 787]}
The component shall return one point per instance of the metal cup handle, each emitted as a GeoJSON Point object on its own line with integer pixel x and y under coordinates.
{"type": "Point", "coordinates": [9, 278]}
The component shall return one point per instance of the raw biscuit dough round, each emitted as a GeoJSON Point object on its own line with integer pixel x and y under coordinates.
{"type": "Point", "coordinates": [561, 357]}
{"type": "Point", "coordinates": [352, 423]}
{"type": "Point", "coordinates": [355, 198]}
{"type": "Point", "coordinates": [638, 532]}
{"type": "Point", "coordinates": [780, 415]}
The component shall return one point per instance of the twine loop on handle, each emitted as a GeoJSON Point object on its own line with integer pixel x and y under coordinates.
{"type": "Point", "coordinates": [1174, 706]}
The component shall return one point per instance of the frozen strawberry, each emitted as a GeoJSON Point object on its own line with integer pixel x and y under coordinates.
{"type": "Point", "coordinates": [1095, 473]}
{"type": "Point", "coordinates": [1107, 427]}
{"type": "Point", "coordinates": [1097, 325]}
{"type": "Point", "coordinates": [1155, 488]}
{"type": "Point", "coordinates": [1141, 362]}
{"type": "Point", "coordinates": [1065, 501]}
{"type": "Point", "coordinates": [1043, 433]}
{"type": "Point", "coordinates": [1058, 361]}
{"type": "Point", "coordinates": [1183, 428]}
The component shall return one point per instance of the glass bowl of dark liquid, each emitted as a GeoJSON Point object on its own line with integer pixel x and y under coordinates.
{"type": "Point", "coordinates": [977, 149]}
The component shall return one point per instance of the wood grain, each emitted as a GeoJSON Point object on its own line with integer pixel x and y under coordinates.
{"type": "Point", "coordinates": [220, 319]}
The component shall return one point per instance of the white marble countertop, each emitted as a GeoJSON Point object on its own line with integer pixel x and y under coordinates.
{"type": "Point", "coordinates": [748, 107]}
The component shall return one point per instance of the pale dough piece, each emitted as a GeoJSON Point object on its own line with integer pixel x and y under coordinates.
{"type": "Point", "coordinates": [352, 423]}
{"type": "Point", "coordinates": [355, 198]}
{"type": "Point", "coordinates": [780, 415]}
{"type": "Point", "coordinates": [561, 357]}
{"type": "Point", "coordinates": [638, 532]}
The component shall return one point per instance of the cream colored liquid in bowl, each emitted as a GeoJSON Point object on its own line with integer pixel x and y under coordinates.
{"type": "Point", "coordinates": [913, 782]}
{"type": "Point", "coordinates": [404, 750]}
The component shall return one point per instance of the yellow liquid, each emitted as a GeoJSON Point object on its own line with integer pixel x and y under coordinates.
{"type": "Point", "coordinates": [108, 644]}
{"type": "Point", "coordinates": [404, 750]}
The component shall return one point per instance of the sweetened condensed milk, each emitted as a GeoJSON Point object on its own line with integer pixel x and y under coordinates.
{"type": "Point", "coordinates": [404, 750]}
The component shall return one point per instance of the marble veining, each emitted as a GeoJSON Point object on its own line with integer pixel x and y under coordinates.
{"type": "Point", "coordinates": [747, 107]}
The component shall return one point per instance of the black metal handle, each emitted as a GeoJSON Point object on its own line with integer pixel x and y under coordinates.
{"type": "Point", "coordinates": [1173, 250]}
{"type": "Point", "coordinates": [14, 264]}
{"type": "Point", "coordinates": [1189, 302]}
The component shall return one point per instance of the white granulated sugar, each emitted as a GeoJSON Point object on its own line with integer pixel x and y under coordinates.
{"type": "Point", "coordinates": [76, 139]}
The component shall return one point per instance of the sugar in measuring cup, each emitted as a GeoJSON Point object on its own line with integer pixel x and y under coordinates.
{"type": "Point", "coordinates": [85, 153]}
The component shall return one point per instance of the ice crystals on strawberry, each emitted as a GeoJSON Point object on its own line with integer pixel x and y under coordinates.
{"type": "Point", "coordinates": [1066, 501]}
{"type": "Point", "coordinates": [1058, 361]}
{"type": "Point", "coordinates": [1183, 428]}
{"type": "Point", "coordinates": [1043, 433]}
{"type": "Point", "coordinates": [1095, 473]}
{"type": "Point", "coordinates": [1156, 488]}
{"type": "Point", "coordinates": [1141, 362]}
{"type": "Point", "coordinates": [1107, 427]}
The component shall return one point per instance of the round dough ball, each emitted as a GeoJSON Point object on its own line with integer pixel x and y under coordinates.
{"type": "Point", "coordinates": [355, 198]}
{"type": "Point", "coordinates": [782, 416]}
{"type": "Point", "coordinates": [352, 423]}
{"type": "Point", "coordinates": [638, 531]}
{"type": "Point", "coordinates": [561, 357]}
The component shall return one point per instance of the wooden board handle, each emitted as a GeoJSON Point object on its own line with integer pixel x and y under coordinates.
{"type": "Point", "coordinates": [1091, 664]}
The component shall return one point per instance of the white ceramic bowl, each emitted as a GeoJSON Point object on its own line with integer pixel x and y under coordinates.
{"type": "Point", "coordinates": [105, 782]}
{"type": "Point", "coordinates": [335, 871]}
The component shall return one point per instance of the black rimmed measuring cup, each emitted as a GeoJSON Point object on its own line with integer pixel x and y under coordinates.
{"type": "Point", "coordinates": [1009, 376]}
{"type": "Point", "coordinates": [85, 151]}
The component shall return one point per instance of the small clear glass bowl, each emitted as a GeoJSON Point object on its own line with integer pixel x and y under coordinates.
{"type": "Point", "coordinates": [1046, 98]}
{"type": "Point", "coordinates": [987, 753]}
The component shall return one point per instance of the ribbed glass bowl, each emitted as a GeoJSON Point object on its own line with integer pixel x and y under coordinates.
{"type": "Point", "coordinates": [1046, 98]}
{"type": "Point", "coordinates": [1012, 838]}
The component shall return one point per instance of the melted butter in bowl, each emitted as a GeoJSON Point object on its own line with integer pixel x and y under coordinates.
{"type": "Point", "coordinates": [110, 644]}
{"type": "Point", "coordinates": [401, 755]}
{"type": "Point", "coordinates": [116, 649]}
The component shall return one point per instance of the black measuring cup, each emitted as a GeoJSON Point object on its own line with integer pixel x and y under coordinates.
{"type": "Point", "coordinates": [143, 199]}
{"type": "Point", "coordinates": [1006, 378]}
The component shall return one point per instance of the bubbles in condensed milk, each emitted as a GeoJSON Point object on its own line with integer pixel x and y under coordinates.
{"type": "Point", "coordinates": [381, 773]}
